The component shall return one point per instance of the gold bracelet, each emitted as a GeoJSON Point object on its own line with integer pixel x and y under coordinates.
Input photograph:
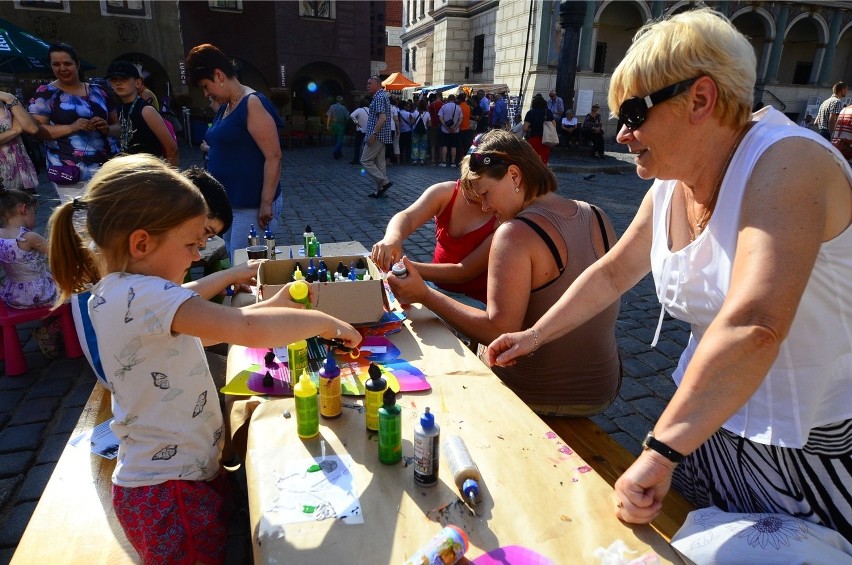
{"type": "Point", "coordinates": [535, 341]}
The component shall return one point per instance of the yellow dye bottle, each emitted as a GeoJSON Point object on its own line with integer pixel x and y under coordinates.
{"type": "Point", "coordinates": [307, 407]}
{"type": "Point", "coordinates": [374, 390]}
{"type": "Point", "coordinates": [299, 292]}
{"type": "Point", "coordinates": [297, 359]}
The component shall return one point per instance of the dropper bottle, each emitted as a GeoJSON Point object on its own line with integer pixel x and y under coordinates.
{"type": "Point", "coordinates": [465, 472]}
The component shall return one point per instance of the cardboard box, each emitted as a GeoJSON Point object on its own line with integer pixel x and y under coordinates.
{"type": "Point", "coordinates": [356, 302]}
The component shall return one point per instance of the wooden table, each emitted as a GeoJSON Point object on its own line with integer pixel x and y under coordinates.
{"type": "Point", "coordinates": [537, 493]}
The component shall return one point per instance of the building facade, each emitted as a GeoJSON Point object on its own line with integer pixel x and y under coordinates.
{"type": "Point", "coordinates": [802, 48]}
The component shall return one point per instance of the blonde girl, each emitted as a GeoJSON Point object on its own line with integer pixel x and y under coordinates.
{"type": "Point", "coordinates": [148, 222]}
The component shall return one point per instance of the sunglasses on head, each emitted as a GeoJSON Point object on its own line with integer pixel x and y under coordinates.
{"type": "Point", "coordinates": [479, 161]}
{"type": "Point", "coordinates": [634, 111]}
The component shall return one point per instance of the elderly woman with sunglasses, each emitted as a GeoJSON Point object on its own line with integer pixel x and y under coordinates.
{"type": "Point", "coordinates": [747, 233]}
{"type": "Point", "coordinates": [543, 243]}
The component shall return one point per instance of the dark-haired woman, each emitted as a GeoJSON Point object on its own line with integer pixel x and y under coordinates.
{"type": "Point", "coordinates": [534, 126]}
{"type": "Point", "coordinates": [245, 154]}
{"type": "Point", "coordinates": [74, 117]}
{"type": "Point", "coordinates": [542, 245]}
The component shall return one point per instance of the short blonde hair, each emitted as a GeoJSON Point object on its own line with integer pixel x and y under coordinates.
{"type": "Point", "coordinates": [690, 44]}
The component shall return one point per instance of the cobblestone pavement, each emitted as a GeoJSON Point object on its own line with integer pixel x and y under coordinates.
{"type": "Point", "coordinates": [38, 410]}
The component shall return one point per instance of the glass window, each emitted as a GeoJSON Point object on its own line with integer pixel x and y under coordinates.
{"type": "Point", "coordinates": [54, 5]}
{"type": "Point", "coordinates": [478, 53]}
{"type": "Point", "coordinates": [124, 8]}
{"type": "Point", "coordinates": [323, 9]}
{"type": "Point", "coordinates": [226, 5]}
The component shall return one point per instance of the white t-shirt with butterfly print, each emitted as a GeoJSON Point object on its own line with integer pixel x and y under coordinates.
{"type": "Point", "coordinates": [166, 410]}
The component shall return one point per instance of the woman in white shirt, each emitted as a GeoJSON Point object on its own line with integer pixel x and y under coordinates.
{"type": "Point", "coordinates": [748, 233]}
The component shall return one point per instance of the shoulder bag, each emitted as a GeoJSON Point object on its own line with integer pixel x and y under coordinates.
{"type": "Point", "coordinates": [549, 135]}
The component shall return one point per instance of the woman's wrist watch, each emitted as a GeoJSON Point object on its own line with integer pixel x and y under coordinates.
{"type": "Point", "coordinates": [656, 445]}
{"type": "Point", "coordinates": [13, 103]}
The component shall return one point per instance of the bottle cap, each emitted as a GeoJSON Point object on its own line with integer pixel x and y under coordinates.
{"type": "Point", "coordinates": [389, 397]}
{"type": "Point", "coordinates": [252, 231]}
{"type": "Point", "coordinates": [268, 233]}
{"type": "Point", "coordinates": [298, 274]}
{"type": "Point", "coordinates": [374, 372]}
{"type": "Point", "coordinates": [308, 229]}
{"type": "Point", "coordinates": [399, 269]}
{"type": "Point", "coordinates": [427, 420]}
{"type": "Point", "coordinates": [330, 367]}
{"type": "Point", "coordinates": [470, 489]}
{"type": "Point", "coordinates": [299, 290]}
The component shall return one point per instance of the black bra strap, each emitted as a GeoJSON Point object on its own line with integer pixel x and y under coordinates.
{"type": "Point", "coordinates": [546, 238]}
{"type": "Point", "coordinates": [602, 226]}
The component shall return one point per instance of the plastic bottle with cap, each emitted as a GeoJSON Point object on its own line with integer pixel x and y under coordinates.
{"type": "Point", "coordinates": [311, 273]}
{"type": "Point", "coordinates": [300, 292]}
{"type": "Point", "coordinates": [374, 390]}
{"type": "Point", "coordinates": [269, 239]}
{"type": "Point", "coordinates": [297, 358]}
{"type": "Point", "coordinates": [307, 407]}
{"type": "Point", "coordinates": [427, 437]}
{"type": "Point", "coordinates": [307, 238]}
{"type": "Point", "coordinates": [465, 472]}
{"type": "Point", "coordinates": [313, 247]}
{"type": "Point", "coordinates": [322, 272]}
{"type": "Point", "coordinates": [447, 547]}
{"type": "Point", "coordinates": [390, 429]}
{"type": "Point", "coordinates": [360, 268]}
{"type": "Point", "coordinates": [398, 269]}
{"type": "Point", "coordinates": [330, 389]}
{"type": "Point", "coordinates": [253, 238]}
{"type": "Point", "coordinates": [298, 275]}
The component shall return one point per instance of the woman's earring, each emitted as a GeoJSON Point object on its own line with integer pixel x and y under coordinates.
{"type": "Point", "coordinates": [517, 188]}
{"type": "Point", "coordinates": [221, 84]}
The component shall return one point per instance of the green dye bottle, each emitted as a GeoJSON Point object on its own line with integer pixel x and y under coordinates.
{"type": "Point", "coordinates": [390, 429]}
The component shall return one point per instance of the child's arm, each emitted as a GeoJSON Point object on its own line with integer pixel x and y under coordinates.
{"type": "Point", "coordinates": [259, 325]}
{"type": "Point", "coordinates": [32, 241]}
{"type": "Point", "coordinates": [209, 286]}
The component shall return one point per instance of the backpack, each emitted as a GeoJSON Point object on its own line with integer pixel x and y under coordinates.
{"type": "Point", "coordinates": [419, 128]}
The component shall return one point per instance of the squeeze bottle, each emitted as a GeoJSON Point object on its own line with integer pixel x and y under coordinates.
{"type": "Point", "coordinates": [448, 547]}
{"type": "Point", "coordinates": [427, 437]}
{"type": "Point", "coordinates": [390, 429]}
{"type": "Point", "coordinates": [269, 239]}
{"type": "Point", "coordinates": [331, 392]}
{"type": "Point", "coordinates": [297, 359]}
{"type": "Point", "coordinates": [374, 389]}
{"type": "Point", "coordinates": [307, 238]}
{"type": "Point", "coordinates": [465, 473]}
{"type": "Point", "coordinates": [307, 407]}
{"type": "Point", "coordinates": [253, 238]}
{"type": "Point", "coordinates": [398, 269]}
{"type": "Point", "coordinates": [299, 293]}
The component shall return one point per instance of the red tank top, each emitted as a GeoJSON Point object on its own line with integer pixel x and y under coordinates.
{"type": "Point", "coordinates": [452, 250]}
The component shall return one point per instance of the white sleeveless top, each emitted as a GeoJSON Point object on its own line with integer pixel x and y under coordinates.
{"type": "Point", "coordinates": [810, 383]}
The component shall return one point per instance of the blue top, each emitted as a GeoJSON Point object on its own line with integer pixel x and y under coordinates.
{"type": "Point", "coordinates": [235, 159]}
{"type": "Point", "coordinates": [500, 115]}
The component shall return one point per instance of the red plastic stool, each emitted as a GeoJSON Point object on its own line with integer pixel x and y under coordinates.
{"type": "Point", "coordinates": [10, 346]}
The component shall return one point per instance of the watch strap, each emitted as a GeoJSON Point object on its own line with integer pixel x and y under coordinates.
{"type": "Point", "coordinates": [653, 443]}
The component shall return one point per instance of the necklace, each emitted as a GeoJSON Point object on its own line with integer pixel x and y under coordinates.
{"type": "Point", "coordinates": [233, 103]}
{"type": "Point", "coordinates": [701, 222]}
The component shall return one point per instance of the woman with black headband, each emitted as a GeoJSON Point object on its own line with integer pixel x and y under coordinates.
{"type": "Point", "coordinates": [746, 230]}
{"type": "Point", "coordinates": [543, 243]}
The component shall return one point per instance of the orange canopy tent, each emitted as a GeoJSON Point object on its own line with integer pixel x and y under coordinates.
{"type": "Point", "coordinates": [398, 81]}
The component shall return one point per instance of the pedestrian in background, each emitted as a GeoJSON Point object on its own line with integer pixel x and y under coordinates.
{"type": "Point", "coordinates": [360, 116]}
{"type": "Point", "coordinates": [830, 109]}
{"type": "Point", "coordinates": [335, 120]}
{"type": "Point", "coordinates": [378, 134]}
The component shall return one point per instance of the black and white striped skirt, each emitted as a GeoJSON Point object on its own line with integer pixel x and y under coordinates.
{"type": "Point", "coordinates": [813, 483]}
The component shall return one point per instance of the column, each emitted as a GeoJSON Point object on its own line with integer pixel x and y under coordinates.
{"type": "Point", "coordinates": [584, 61]}
{"type": "Point", "coordinates": [778, 43]}
{"type": "Point", "coordinates": [833, 35]}
{"type": "Point", "coordinates": [572, 16]}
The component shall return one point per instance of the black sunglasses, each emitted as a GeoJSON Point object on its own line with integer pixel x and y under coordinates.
{"type": "Point", "coordinates": [634, 111]}
{"type": "Point", "coordinates": [479, 161]}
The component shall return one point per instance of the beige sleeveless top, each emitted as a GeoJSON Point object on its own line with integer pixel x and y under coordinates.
{"type": "Point", "coordinates": [581, 367]}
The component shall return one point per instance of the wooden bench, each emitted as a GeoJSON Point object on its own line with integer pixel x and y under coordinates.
{"type": "Point", "coordinates": [74, 519]}
{"type": "Point", "coordinates": [609, 459]}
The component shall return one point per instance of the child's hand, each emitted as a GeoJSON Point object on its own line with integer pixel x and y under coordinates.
{"type": "Point", "coordinates": [344, 331]}
{"type": "Point", "coordinates": [246, 273]}
{"type": "Point", "coordinates": [282, 298]}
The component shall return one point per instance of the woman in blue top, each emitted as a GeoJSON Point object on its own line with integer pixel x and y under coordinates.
{"type": "Point", "coordinates": [245, 154]}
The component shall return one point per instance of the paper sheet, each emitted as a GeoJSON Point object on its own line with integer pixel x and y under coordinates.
{"type": "Point", "coordinates": [103, 442]}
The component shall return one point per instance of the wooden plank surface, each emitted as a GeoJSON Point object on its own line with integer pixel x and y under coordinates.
{"type": "Point", "coordinates": [537, 493]}
{"type": "Point", "coordinates": [74, 521]}
{"type": "Point", "coordinates": [610, 460]}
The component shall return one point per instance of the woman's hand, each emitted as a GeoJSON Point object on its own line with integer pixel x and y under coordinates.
{"type": "Point", "coordinates": [6, 97]}
{"type": "Point", "coordinates": [504, 350]}
{"type": "Point", "coordinates": [385, 253]}
{"type": "Point", "coordinates": [639, 492]}
{"type": "Point", "coordinates": [99, 124]}
{"type": "Point", "coordinates": [409, 289]}
{"type": "Point", "coordinates": [82, 124]}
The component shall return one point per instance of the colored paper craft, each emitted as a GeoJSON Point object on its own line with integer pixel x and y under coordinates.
{"type": "Point", "coordinates": [238, 386]}
{"type": "Point", "coordinates": [411, 379]}
{"type": "Point", "coordinates": [280, 381]}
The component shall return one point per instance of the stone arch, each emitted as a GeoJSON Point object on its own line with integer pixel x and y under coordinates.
{"type": "Point", "coordinates": [610, 30]}
{"type": "Point", "coordinates": [316, 85]}
{"type": "Point", "coordinates": [153, 73]}
{"type": "Point", "coordinates": [748, 18]}
{"type": "Point", "coordinates": [804, 46]}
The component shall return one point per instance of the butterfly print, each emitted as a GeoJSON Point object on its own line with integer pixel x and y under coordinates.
{"type": "Point", "coordinates": [217, 435]}
{"type": "Point", "coordinates": [130, 296]}
{"type": "Point", "coordinates": [165, 454]}
{"type": "Point", "coordinates": [98, 301]}
{"type": "Point", "coordinates": [199, 405]}
{"type": "Point", "coordinates": [161, 380]}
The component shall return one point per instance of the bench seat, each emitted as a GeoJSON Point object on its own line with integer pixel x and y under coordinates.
{"type": "Point", "coordinates": [74, 520]}
{"type": "Point", "coordinates": [609, 459]}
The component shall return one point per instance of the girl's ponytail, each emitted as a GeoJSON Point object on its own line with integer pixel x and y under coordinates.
{"type": "Point", "coordinates": [72, 264]}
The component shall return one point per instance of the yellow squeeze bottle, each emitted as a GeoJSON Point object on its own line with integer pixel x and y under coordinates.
{"type": "Point", "coordinates": [306, 395]}
{"type": "Point", "coordinates": [299, 293]}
